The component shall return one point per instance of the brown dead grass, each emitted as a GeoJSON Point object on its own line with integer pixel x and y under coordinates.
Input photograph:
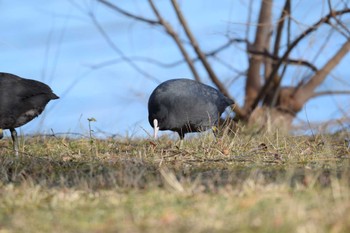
{"type": "Point", "coordinates": [240, 182]}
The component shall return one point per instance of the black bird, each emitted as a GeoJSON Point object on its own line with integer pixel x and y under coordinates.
{"type": "Point", "coordinates": [21, 100]}
{"type": "Point", "coordinates": [184, 106]}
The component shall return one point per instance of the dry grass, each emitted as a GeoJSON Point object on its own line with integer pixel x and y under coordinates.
{"type": "Point", "coordinates": [242, 182]}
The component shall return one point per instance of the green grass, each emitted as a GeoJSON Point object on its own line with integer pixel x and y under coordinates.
{"type": "Point", "coordinates": [243, 182]}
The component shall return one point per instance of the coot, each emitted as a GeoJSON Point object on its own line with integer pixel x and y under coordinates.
{"type": "Point", "coordinates": [185, 106]}
{"type": "Point", "coordinates": [21, 100]}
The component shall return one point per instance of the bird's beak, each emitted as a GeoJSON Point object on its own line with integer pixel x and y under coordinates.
{"type": "Point", "coordinates": [156, 128]}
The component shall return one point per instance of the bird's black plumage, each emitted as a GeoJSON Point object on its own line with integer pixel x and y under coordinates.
{"type": "Point", "coordinates": [184, 106]}
{"type": "Point", "coordinates": [21, 100]}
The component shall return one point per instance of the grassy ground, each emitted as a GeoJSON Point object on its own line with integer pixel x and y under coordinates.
{"type": "Point", "coordinates": [239, 183]}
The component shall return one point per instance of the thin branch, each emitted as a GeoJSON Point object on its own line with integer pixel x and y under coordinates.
{"type": "Point", "coordinates": [306, 91]}
{"type": "Point", "coordinates": [128, 14]}
{"type": "Point", "coordinates": [226, 45]}
{"type": "Point", "coordinates": [172, 64]}
{"type": "Point", "coordinates": [177, 40]}
{"type": "Point", "coordinates": [314, 27]}
{"type": "Point", "coordinates": [318, 53]}
{"type": "Point", "coordinates": [133, 58]}
{"type": "Point", "coordinates": [228, 65]}
{"type": "Point", "coordinates": [287, 61]}
{"type": "Point", "coordinates": [213, 52]}
{"type": "Point", "coordinates": [198, 51]}
{"type": "Point", "coordinates": [120, 52]}
{"type": "Point", "coordinates": [339, 30]}
{"type": "Point", "coordinates": [158, 63]}
{"type": "Point", "coordinates": [322, 93]}
{"type": "Point", "coordinates": [284, 15]}
{"type": "Point", "coordinates": [323, 46]}
{"type": "Point", "coordinates": [203, 58]}
{"type": "Point", "coordinates": [249, 18]}
{"type": "Point", "coordinates": [339, 22]}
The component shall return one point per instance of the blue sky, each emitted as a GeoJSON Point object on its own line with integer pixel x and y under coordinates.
{"type": "Point", "coordinates": [56, 42]}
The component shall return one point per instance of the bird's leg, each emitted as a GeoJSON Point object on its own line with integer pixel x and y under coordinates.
{"type": "Point", "coordinates": [14, 140]}
{"type": "Point", "coordinates": [182, 136]}
{"type": "Point", "coordinates": [181, 144]}
{"type": "Point", "coordinates": [156, 128]}
{"type": "Point", "coordinates": [1, 134]}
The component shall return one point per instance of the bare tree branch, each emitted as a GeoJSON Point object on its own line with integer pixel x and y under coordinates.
{"type": "Point", "coordinates": [307, 90]}
{"type": "Point", "coordinates": [270, 93]}
{"type": "Point", "coordinates": [287, 61]}
{"type": "Point", "coordinates": [228, 65]}
{"type": "Point", "coordinates": [249, 18]}
{"type": "Point", "coordinates": [323, 93]}
{"type": "Point", "coordinates": [120, 52]}
{"type": "Point", "coordinates": [253, 83]}
{"type": "Point", "coordinates": [128, 14]}
{"type": "Point", "coordinates": [314, 27]}
{"type": "Point", "coordinates": [198, 51]}
{"type": "Point", "coordinates": [133, 58]}
{"type": "Point", "coordinates": [212, 53]}
{"type": "Point", "coordinates": [160, 22]}
{"type": "Point", "coordinates": [177, 40]}
{"type": "Point", "coordinates": [339, 22]}
{"type": "Point", "coordinates": [202, 57]}
{"type": "Point", "coordinates": [285, 13]}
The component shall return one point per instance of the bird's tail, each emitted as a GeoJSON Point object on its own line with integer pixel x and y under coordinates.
{"type": "Point", "coordinates": [54, 96]}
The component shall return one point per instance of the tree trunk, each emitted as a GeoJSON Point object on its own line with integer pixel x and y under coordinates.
{"type": "Point", "coordinates": [281, 115]}
{"type": "Point", "coordinates": [253, 83]}
{"type": "Point", "coordinates": [271, 119]}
